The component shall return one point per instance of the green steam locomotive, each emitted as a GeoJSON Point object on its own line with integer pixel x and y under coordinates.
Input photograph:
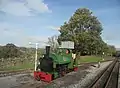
{"type": "Point", "coordinates": [55, 65]}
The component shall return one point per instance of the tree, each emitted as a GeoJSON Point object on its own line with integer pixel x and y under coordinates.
{"type": "Point", "coordinates": [52, 41]}
{"type": "Point", "coordinates": [84, 29]}
{"type": "Point", "coordinates": [10, 51]}
{"type": "Point", "coordinates": [112, 49]}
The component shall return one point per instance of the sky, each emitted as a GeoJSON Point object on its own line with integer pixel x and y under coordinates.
{"type": "Point", "coordinates": [24, 21]}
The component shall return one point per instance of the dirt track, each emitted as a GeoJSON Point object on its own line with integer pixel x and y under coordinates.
{"type": "Point", "coordinates": [71, 80]}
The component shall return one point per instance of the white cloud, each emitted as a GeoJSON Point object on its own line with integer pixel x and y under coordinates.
{"type": "Point", "coordinates": [54, 28]}
{"type": "Point", "coordinates": [17, 9]}
{"type": "Point", "coordinates": [10, 34]}
{"type": "Point", "coordinates": [23, 7]}
{"type": "Point", "coordinates": [38, 6]}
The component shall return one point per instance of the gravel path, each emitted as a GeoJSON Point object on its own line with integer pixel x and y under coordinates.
{"type": "Point", "coordinates": [10, 81]}
{"type": "Point", "coordinates": [64, 81]}
{"type": "Point", "coordinates": [93, 72]}
{"type": "Point", "coordinates": [78, 79]}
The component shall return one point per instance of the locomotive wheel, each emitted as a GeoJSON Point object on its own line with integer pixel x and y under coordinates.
{"type": "Point", "coordinates": [62, 70]}
{"type": "Point", "coordinates": [63, 73]}
{"type": "Point", "coordinates": [37, 78]}
{"type": "Point", "coordinates": [53, 77]}
{"type": "Point", "coordinates": [60, 75]}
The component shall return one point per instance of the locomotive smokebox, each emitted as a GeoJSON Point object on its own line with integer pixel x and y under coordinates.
{"type": "Point", "coordinates": [47, 51]}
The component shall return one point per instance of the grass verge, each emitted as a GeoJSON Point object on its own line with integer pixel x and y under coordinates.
{"type": "Point", "coordinates": [27, 65]}
{"type": "Point", "coordinates": [87, 59]}
{"type": "Point", "coordinates": [18, 67]}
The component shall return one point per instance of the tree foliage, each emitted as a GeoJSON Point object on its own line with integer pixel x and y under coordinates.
{"type": "Point", "coordinates": [85, 30]}
{"type": "Point", "coordinates": [9, 51]}
{"type": "Point", "coordinates": [112, 49]}
{"type": "Point", "coordinates": [12, 51]}
{"type": "Point", "coordinates": [11, 55]}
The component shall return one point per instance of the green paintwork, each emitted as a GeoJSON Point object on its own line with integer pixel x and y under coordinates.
{"type": "Point", "coordinates": [54, 73]}
{"type": "Point", "coordinates": [60, 57]}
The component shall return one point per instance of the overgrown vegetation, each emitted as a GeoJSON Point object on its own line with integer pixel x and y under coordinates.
{"type": "Point", "coordinates": [13, 57]}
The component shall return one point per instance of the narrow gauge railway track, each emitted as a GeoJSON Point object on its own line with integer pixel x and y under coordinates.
{"type": "Point", "coordinates": [10, 73]}
{"type": "Point", "coordinates": [108, 78]}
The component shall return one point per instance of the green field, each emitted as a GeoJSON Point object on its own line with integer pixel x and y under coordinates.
{"type": "Point", "coordinates": [82, 59]}
{"type": "Point", "coordinates": [86, 59]}
{"type": "Point", "coordinates": [18, 67]}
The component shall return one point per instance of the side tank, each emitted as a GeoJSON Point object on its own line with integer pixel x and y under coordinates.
{"type": "Point", "coordinates": [61, 59]}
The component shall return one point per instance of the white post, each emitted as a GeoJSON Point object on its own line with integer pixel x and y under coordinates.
{"type": "Point", "coordinates": [36, 45]}
{"type": "Point", "coordinates": [36, 56]}
{"type": "Point", "coordinates": [103, 56]}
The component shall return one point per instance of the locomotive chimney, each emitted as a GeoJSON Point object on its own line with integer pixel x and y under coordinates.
{"type": "Point", "coordinates": [47, 51]}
